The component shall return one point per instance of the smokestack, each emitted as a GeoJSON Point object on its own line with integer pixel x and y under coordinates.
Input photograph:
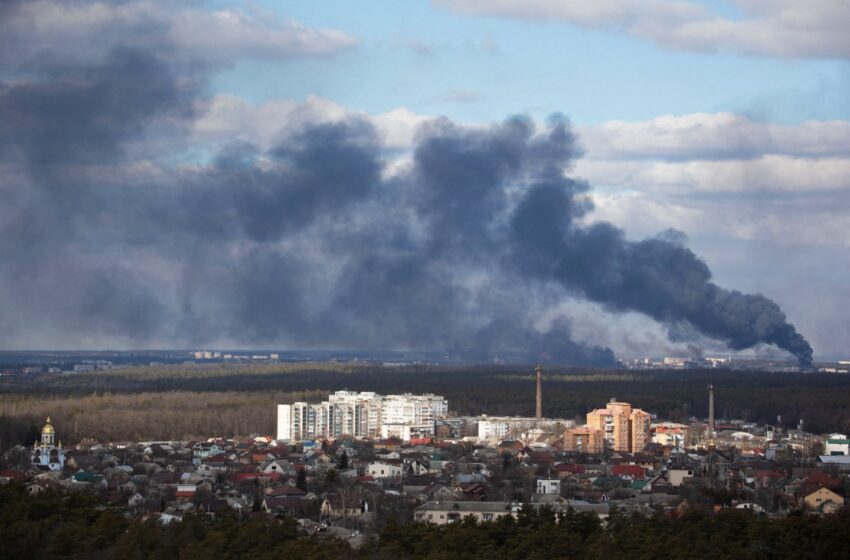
{"type": "Point", "coordinates": [539, 412]}
{"type": "Point", "coordinates": [711, 410]}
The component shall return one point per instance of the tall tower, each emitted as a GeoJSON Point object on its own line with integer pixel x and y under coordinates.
{"type": "Point", "coordinates": [539, 412]}
{"type": "Point", "coordinates": [711, 411]}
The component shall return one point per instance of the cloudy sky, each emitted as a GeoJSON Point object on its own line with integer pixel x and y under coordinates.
{"type": "Point", "coordinates": [286, 174]}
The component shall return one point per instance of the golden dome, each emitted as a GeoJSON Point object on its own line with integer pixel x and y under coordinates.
{"type": "Point", "coordinates": [48, 428]}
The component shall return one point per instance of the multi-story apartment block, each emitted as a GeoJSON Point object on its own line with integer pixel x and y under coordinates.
{"type": "Point", "coordinates": [623, 428]}
{"type": "Point", "coordinates": [361, 415]}
{"type": "Point", "coordinates": [584, 439]}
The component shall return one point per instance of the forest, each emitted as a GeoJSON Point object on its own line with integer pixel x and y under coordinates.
{"type": "Point", "coordinates": [186, 402]}
{"type": "Point", "coordinates": [49, 525]}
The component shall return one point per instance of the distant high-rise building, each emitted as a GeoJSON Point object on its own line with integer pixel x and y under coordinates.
{"type": "Point", "coordinates": [623, 428]}
{"type": "Point", "coordinates": [361, 415]}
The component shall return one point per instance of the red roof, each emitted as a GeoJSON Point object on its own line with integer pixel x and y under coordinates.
{"type": "Point", "coordinates": [821, 478]}
{"type": "Point", "coordinates": [634, 471]}
{"type": "Point", "coordinates": [287, 491]}
{"type": "Point", "coordinates": [664, 429]}
{"type": "Point", "coordinates": [767, 474]}
{"type": "Point", "coordinates": [13, 474]}
{"type": "Point", "coordinates": [220, 458]}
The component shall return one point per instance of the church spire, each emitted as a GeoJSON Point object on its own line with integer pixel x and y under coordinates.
{"type": "Point", "coordinates": [48, 433]}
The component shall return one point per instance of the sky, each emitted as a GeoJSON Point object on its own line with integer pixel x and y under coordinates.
{"type": "Point", "coordinates": [265, 174]}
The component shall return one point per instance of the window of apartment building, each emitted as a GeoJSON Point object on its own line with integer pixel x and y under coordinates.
{"type": "Point", "coordinates": [488, 517]}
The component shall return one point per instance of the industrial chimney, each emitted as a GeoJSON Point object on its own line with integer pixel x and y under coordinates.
{"type": "Point", "coordinates": [539, 371]}
{"type": "Point", "coordinates": [711, 410]}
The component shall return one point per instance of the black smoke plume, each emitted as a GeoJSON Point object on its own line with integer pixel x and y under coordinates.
{"type": "Point", "coordinates": [115, 230]}
{"type": "Point", "coordinates": [657, 277]}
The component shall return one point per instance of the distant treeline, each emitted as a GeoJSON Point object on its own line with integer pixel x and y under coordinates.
{"type": "Point", "coordinates": [180, 401]}
{"type": "Point", "coordinates": [48, 525]}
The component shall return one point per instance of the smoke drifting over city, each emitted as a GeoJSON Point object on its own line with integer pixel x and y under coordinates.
{"type": "Point", "coordinates": [116, 230]}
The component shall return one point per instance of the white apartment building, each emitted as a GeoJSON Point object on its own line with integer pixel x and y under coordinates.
{"type": "Point", "coordinates": [498, 428]}
{"type": "Point", "coordinates": [361, 415]}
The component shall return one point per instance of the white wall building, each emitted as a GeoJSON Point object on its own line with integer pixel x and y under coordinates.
{"type": "Point", "coordinates": [676, 476]}
{"type": "Point", "coordinates": [498, 428]}
{"type": "Point", "coordinates": [837, 444]}
{"type": "Point", "coordinates": [669, 433]}
{"type": "Point", "coordinates": [361, 415]}
{"type": "Point", "coordinates": [384, 470]}
{"type": "Point", "coordinates": [549, 486]}
{"type": "Point", "coordinates": [284, 421]}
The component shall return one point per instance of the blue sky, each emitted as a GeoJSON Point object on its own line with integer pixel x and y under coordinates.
{"type": "Point", "coordinates": [415, 55]}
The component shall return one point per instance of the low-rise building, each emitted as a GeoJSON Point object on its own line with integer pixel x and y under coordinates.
{"type": "Point", "coordinates": [669, 434]}
{"type": "Point", "coordinates": [444, 513]}
{"type": "Point", "coordinates": [549, 486]}
{"type": "Point", "coordinates": [823, 500]}
{"type": "Point", "coordinates": [837, 444]}
{"type": "Point", "coordinates": [676, 476]}
{"type": "Point", "coordinates": [384, 470]}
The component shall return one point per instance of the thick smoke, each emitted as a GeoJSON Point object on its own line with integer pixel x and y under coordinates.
{"type": "Point", "coordinates": [657, 277]}
{"type": "Point", "coordinates": [116, 230]}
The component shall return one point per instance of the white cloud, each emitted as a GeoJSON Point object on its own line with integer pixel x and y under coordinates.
{"type": "Point", "coordinates": [190, 31]}
{"type": "Point", "coordinates": [771, 173]}
{"type": "Point", "coordinates": [228, 118]}
{"type": "Point", "coordinates": [781, 28]}
{"type": "Point", "coordinates": [727, 221]}
{"type": "Point", "coordinates": [714, 136]}
{"type": "Point", "coordinates": [722, 176]}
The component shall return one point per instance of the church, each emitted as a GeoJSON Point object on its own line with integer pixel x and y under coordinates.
{"type": "Point", "coordinates": [47, 453]}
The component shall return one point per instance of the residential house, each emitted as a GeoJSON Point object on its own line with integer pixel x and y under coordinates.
{"type": "Point", "coordinates": [384, 470]}
{"type": "Point", "coordinates": [444, 513]}
{"type": "Point", "coordinates": [823, 500]}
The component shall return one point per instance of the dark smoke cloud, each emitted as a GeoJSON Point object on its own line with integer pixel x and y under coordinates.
{"type": "Point", "coordinates": [657, 277]}
{"type": "Point", "coordinates": [109, 236]}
